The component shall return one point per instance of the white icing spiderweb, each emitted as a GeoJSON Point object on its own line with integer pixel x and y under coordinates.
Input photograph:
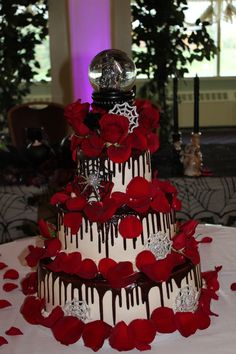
{"type": "Point", "coordinates": [130, 112]}
{"type": "Point", "coordinates": [77, 308]}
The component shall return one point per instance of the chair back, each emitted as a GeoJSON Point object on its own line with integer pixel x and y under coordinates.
{"type": "Point", "coordinates": [48, 116]}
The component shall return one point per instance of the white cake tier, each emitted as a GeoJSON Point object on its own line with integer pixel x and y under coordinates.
{"type": "Point", "coordinates": [119, 173]}
{"type": "Point", "coordinates": [97, 241]}
{"type": "Point", "coordinates": [138, 300]}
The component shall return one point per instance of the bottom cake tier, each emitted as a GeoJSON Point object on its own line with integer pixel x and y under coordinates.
{"type": "Point", "coordinates": [94, 299]}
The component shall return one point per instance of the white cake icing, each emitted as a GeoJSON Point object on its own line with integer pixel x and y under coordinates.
{"type": "Point", "coordinates": [124, 304]}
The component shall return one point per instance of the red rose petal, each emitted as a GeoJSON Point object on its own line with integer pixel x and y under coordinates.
{"type": "Point", "coordinates": [88, 269]}
{"type": "Point", "coordinates": [119, 154]}
{"type": "Point", "coordinates": [145, 258]}
{"type": "Point", "coordinates": [35, 254]}
{"type": "Point", "coordinates": [59, 198]}
{"type": "Point", "coordinates": [2, 265]}
{"type": "Point", "coordinates": [92, 146]}
{"type": "Point", "coordinates": [138, 187]}
{"type": "Point", "coordinates": [32, 309]}
{"type": "Point", "coordinates": [49, 321]}
{"type": "Point", "coordinates": [186, 323]}
{"type": "Point", "coordinates": [105, 265]}
{"type": "Point", "coordinates": [52, 247]}
{"type": "Point", "coordinates": [205, 239]}
{"type": "Point", "coordinates": [68, 330]}
{"type": "Point", "coordinates": [9, 287]}
{"type": "Point", "coordinates": [11, 274]}
{"type": "Point", "coordinates": [29, 284]}
{"type": "Point", "coordinates": [203, 320]}
{"type": "Point", "coordinates": [233, 287]}
{"type": "Point", "coordinates": [121, 275]}
{"type": "Point", "coordinates": [13, 331]}
{"type": "Point", "coordinates": [73, 221]}
{"type": "Point", "coordinates": [76, 203]}
{"type": "Point", "coordinates": [130, 227]}
{"type": "Point", "coordinates": [95, 333]}
{"type": "Point", "coordinates": [143, 333]}
{"type": "Point", "coordinates": [120, 338]}
{"type": "Point", "coordinates": [164, 320]}
{"type": "Point", "coordinates": [71, 263]}
{"type": "Point", "coordinates": [3, 341]}
{"type": "Point", "coordinates": [4, 303]}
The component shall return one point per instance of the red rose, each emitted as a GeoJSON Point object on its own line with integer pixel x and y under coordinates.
{"type": "Point", "coordinates": [138, 139]}
{"type": "Point", "coordinates": [92, 145]}
{"type": "Point", "coordinates": [149, 115]}
{"type": "Point", "coordinates": [29, 284]}
{"type": "Point", "coordinates": [119, 153]}
{"type": "Point", "coordinates": [75, 114]}
{"type": "Point", "coordinates": [114, 128]}
{"type": "Point", "coordinates": [95, 333]}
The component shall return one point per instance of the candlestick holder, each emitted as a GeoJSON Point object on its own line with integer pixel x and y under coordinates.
{"type": "Point", "coordinates": [192, 157]}
{"type": "Point", "coordinates": [177, 154]}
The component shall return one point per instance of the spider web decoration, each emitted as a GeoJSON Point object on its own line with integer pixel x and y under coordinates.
{"type": "Point", "coordinates": [94, 174]}
{"type": "Point", "coordinates": [77, 308]}
{"type": "Point", "coordinates": [128, 111]}
{"type": "Point", "coordinates": [159, 244]}
{"type": "Point", "coordinates": [187, 299]}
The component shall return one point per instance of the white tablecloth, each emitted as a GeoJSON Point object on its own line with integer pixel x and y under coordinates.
{"type": "Point", "coordinates": [219, 338]}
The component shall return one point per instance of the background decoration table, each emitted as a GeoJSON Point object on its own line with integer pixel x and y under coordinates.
{"type": "Point", "coordinates": [209, 199]}
{"type": "Point", "coordinates": [219, 338]}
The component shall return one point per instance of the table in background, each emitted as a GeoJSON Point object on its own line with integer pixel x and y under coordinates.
{"type": "Point", "coordinates": [18, 210]}
{"type": "Point", "coordinates": [219, 338]}
{"type": "Point", "coordinates": [208, 199]}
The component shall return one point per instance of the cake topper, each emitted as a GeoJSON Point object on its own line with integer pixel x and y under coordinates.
{"type": "Point", "coordinates": [112, 75]}
{"type": "Point", "coordinates": [112, 70]}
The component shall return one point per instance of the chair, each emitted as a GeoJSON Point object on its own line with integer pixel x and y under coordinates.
{"type": "Point", "coordinates": [48, 116]}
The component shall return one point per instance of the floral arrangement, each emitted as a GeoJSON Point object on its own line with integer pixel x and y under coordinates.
{"type": "Point", "coordinates": [97, 132]}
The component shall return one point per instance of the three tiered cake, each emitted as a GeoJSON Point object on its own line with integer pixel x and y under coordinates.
{"type": "Point", "coordinates": [117, 266]}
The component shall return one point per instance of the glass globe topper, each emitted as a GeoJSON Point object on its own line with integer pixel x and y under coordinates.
{"type": "Point", "coordinates": [112, 70]}
{"type": "Point", "coordinates": [112, 74]}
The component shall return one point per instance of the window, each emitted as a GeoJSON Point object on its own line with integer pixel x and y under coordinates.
{"type": "Point", "coordinates": [222, 16]}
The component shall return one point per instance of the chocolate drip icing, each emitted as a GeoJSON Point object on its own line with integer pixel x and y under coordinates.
{"type": "Point", "coordinates": [129, 296]}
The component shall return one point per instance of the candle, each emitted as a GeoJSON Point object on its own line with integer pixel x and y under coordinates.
{"type": "Point", "coordinates": [175, 105]}
{"type": "Point", "coordinates": [196, 105]}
